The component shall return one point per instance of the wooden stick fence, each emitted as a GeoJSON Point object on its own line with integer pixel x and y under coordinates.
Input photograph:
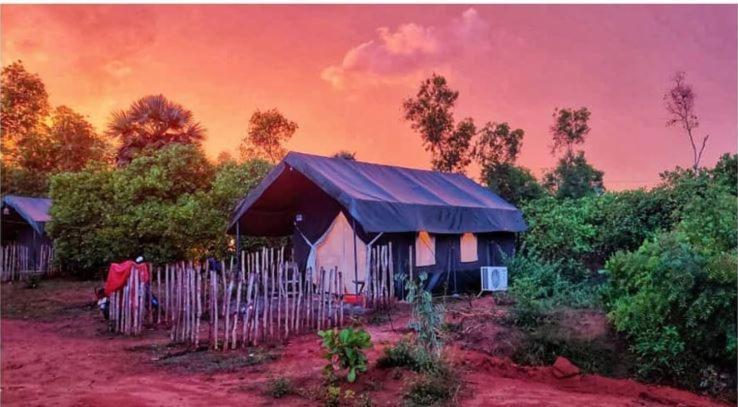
{"type": "Point", "coordinates": [261, 298]}
{"type": "Point", "coordinates": [130, 306]}
{"type": "Point", "coordinates": [18, 263]}
{"type": "Point", "coordinates": [380, 284]}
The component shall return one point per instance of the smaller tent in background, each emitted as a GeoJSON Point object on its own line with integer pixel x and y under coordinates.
{"type": "Point", "coordinates": [23, 225]}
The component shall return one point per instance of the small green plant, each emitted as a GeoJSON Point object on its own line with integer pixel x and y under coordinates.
{"type": "Point", "coordinates": [344, 349]}
{"type": "Point", "coordinates": [279, 387]}
{"type": "Point", "coordinates": [435, 386]}
{"type": "Point", "coordinates": [427, 317]}
{"type": "Point", "coordinates": [406, 354]}
{"type": "Point", "coordinates": [332, 396]}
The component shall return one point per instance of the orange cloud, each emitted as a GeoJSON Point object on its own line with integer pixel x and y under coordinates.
{"type": "Point", "coordinates": [409, 52]}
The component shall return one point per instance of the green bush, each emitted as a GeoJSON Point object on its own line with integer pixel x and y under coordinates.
{"type": "Point", "coordinates": [406, 354]}
{"type": "Point", "coordinates": [344, 348]}
{"type": "Point", "coordinates": [544, 342]}
{"type": "Point", "coordinates": [168, 205]}
{"type": "Point", "coordinates": [676, 302]}
{"type": "Point", "coordinates": [560, 232]}
{"type": "Point", "coordinates": [538, 287]}
{"type": "Point", "coordinates": [436, 386]}
{"type": "Point", "coordinates": [279, 387]}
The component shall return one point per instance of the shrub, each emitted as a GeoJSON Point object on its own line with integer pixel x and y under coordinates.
{"type": "Point", "coordinates": [279, 387]}
{"type": "Point", "coordinates": [676, 306]}
{"type": "Point", "coordinates": [543, 343]}
{"type": "Point", "coordinates": [427, 317]}
{"type": "Point", "coordinates": [538, 287]}
{"type": "Point", "coordinates": [406, 354]}
{"type": "Point", "coordinates": [344, 348]}
{"type": "Point", "coordinates": [435, 386]}
{"type": "Point", "coordinates": [168, 205]}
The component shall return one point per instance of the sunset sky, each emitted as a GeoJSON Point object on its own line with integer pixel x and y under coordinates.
{"type": "Point", "coordinates": [341, 72]}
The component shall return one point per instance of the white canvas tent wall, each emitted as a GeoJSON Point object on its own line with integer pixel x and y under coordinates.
{"type": "Point", "coordinates": [336, 249]}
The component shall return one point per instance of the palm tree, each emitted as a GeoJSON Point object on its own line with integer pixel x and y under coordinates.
{"type": "Point", "coordinates": [152, 122]}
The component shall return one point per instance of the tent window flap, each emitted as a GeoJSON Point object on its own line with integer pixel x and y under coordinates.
{"type": "Point", "coordinates": [425, 250]}
{"type": "Point", "coordinates": [468, 248]}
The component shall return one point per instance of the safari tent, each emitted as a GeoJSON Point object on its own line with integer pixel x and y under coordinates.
{"type": "Point", "coordinates": [337, 209]}
{"type": "Point", "coordinates": [24, 219]}
{"type": "Point", "coordinates": [23, 227]}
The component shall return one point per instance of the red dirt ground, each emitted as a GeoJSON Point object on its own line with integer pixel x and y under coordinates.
{"type": "Point", "coordinates": [56, 352]}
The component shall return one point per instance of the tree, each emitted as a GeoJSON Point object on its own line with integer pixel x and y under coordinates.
{"type": "Point", "coordinates": [68, 143]}
{"type": "Point", "coordinates": [430, 113]}
{"type": "Point", "coordinates": [513, 183]}
{"type": "Point", "coordinates": [496, 150]}
{"type": "Point", "coordinates": [346, 155]}
{"type": "Point", "coordinates": [679, 103]}
{"type": "Point", "coordinates": [24, 102]}
{"type": "Point", "coordinates": [569, 128]}
{"type": "Point", "coordinates": [574, 177]}
{"type": "Point", "coordinates": [498, 144]}
{"type": "Point", "coordinates": [151, 123]}
{"type": "Point", "coordinates": [268, 131]}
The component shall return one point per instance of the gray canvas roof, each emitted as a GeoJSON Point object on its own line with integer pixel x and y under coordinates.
{"type": "Point", "coordinates": [385, 198]}
{"type": "Point", "coordinates": [34, 210]}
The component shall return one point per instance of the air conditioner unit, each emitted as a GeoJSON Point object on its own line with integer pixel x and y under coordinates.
{"type": "Point", "coordinates": [494, 278]}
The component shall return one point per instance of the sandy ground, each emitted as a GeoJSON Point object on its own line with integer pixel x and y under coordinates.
{"type": "Point", "coordinates": [56, 352]}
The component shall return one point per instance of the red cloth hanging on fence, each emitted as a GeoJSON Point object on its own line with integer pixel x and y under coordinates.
{"type": "Point", "coordinates": [118, 274]}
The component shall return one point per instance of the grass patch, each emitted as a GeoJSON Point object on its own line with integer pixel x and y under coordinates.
{"type": "Point", "coordinates": [437, 386]}
{"type": "Point", "coordinates": [279, 387]}
{"type": "Point", "coordinates": [601, 355]}
{"type": "Point", "coordinates": [210, 362]}
{"type": "Point", "coordinates": [52, 300]}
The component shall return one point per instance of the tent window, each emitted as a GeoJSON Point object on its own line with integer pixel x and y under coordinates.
{"type": "Point", "coordinates": [468, 248]}
{"type": "Point", "coordinates": [425, 250]}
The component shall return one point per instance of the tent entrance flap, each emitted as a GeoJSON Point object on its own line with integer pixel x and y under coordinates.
{"type": "Point", "coordinates": [336, 248]}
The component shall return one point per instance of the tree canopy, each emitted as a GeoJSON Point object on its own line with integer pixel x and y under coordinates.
{"type": "Point", "coordinates": [430, 113]}
{"type": "Point", "coordinates": [151, 123]}
{"type": "Point", "coordinates": [267, 133]}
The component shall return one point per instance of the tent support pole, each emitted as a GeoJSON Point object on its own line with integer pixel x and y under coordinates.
{"type": "Point", "coordinates": [356, 261]}
{"type": "Point", "coordinates": [238, 241]}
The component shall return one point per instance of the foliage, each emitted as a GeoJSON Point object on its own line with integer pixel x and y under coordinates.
{"type": "Point", "coordinates": [24, 102]}
{"type": "Point", "coordinates": [513, 183]}
{"type": "Point", "coordinates": [19, 181]}
{"type": "Point", "coordinates": [675, 296]}
{"type": "Point", "coordinates": [569, 128]}
{"type": "Point", "coordinates": [406, 353]}
{"type": "Point", "coordinates": [538, 287]}
{"type": "Point", "coordinates": [170, 205]}
{"type": "Point", "coordinates": [67, 143]}
{"type": "Point", "coordinates": [38, 142]}
{"type": "Point", "coordinates": [498, 144]}
{"type": "Point", "coordinates": [427, 317]}
{"type": "Point", "coordinates": [344, 349]}
{"type": "Point", "coordinates": [151, 123]}
{"type": "Point", "coordinates": [430, 113]}
{"type": "Point", "coordinates": [346, 155]}
{"type": "Point", "coordinates": [279, 387]}
{"type": "Point", "coordinates": [559, 232]}
{"type": "Point", "coordinates": [574, 177]}
{"type": "Point", "coordinates": [679, 103]}
{"type": "Point", "coordinates": [433, 387]}
{"type": "Point", "coordinates": [268, 131]}
{"type": "Point", "coordinates": [544, 342]}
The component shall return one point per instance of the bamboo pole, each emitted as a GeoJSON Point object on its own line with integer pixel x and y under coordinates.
{"type": "Point", "coordinates": [342, 288]}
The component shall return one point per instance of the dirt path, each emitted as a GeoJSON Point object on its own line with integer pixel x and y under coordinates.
{"type": "Point", "coordinates": [56, 352]}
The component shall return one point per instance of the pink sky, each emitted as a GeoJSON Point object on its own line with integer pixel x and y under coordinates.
{"type": "Point", "coordinates": [341, 72]}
